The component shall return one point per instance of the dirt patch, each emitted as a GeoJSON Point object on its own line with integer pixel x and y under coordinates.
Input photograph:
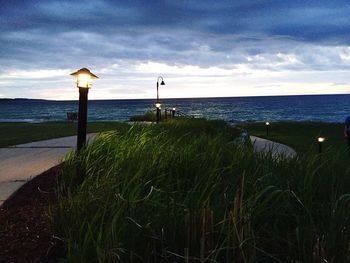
{"type": "Point", "coordinates": [25, 233]}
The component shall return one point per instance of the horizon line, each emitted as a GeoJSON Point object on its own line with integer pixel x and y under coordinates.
{"type": "Point", "coordinates": [178, 98]}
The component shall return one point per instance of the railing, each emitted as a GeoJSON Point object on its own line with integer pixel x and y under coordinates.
{"type": "Point", "coordinates": [182, 114]}
{"type": "Point", "coordinates": [170, 113]}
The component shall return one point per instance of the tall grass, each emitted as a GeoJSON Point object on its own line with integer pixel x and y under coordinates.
{"type": "Point", "coordinates": [182, 191]}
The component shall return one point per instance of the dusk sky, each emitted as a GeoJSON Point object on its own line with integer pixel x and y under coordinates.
{"type": "Point", "coordinates": [201, 48]}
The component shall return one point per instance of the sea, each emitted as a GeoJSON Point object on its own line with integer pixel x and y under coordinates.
{"type": "Point", "coordinates": [323, 108]}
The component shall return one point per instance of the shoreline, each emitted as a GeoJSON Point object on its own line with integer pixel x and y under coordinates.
{"type": "Point", "coordinates": [126, 121]}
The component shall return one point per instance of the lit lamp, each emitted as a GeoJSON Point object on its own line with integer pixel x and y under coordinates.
{"type": "Point", "coordinates": [320, 142]}
{"type": "Point", "coordinates": [158, 102]}
{"type": "Point", "coordinates": [267, 124]}
{"type": "Point", "coordinates": [158, 108]}
{"type": "Point", "coordinates": [83, 79]}
{"type": "Point", "coordinates": [173, 112]}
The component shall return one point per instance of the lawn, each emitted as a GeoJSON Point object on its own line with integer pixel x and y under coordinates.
{"type": "Point", "coordinates": [302, 136]}
{"type": "Point", "coordinates": [17, 133]}
{"type": "Point", "coordinates": [183, 191]}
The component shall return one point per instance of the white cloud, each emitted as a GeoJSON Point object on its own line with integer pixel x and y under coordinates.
{"type": "Point", "coordinates": [193, 70]}
{"type": "Point", "coordinates": [128, 67]}
{"type": "Point", "coordinates": [345, 55]}
{"type": "Point", "coordinates": [35, 74]}
{"type": "Point", "coordinates": [288, 58]}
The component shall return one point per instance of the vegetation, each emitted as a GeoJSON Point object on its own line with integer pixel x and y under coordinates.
{"type": "Point", "coordinates": [183, 191]}
{"type": "Point", "coordinates": [152, 117]}
{"type": "Point", "coordinates": [302, 136]}
{"type": "Point", "coordinates": [149, 116]}
{"type": "Point", "coordinates": [21, 132]}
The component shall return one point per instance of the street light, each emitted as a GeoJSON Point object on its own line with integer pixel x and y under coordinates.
{"type": "Point", "coordinates": [158, 102]}
{"type": "Point", "coordinates": [83, 79]}
{"type": "Point", "coordinates": [173, 112]}
{"type": "Point", "coordinates": [320, 142]}
{"type": "Point", "coordinates": [267, 124]}
{"type": "Point", "coordinates": [158, 107]}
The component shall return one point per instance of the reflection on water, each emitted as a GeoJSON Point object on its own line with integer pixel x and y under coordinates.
{"type": "Point", "coordinates": [329, 108]}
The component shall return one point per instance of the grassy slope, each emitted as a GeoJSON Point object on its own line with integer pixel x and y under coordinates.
{"type": "Point", "coordinates": [155, 192]}
{"type": "Point", "coordinates": [16, 133]}
{"type": "Point", "coordinates": [301, 136]}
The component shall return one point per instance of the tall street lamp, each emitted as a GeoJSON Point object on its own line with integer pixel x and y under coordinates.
{"type": "Point", "coordinates": [83, 79]}
{"type": "Point", "coordinates": [158, 102]}
{"type": "Point", "coordinates": [159, 109]}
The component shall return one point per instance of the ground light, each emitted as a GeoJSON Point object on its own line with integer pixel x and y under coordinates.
{"type": "Point", "coordinates": [173, 112]}
{"type": "Point", "coordinates": [267, 124]}
{"type": "Point", "coordinates": [320, 142]}
{"type": "Point", "coordinates": [158, 102]}
{"type": "Point", "coordinates": [83, 79]}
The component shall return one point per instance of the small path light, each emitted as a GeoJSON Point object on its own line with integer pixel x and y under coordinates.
{"type": "Point", "coordinates": [267, 124]}
{"type": "Point", "coordinates": [158, 102]}
{"type": "Point", "coordinates": [83, 79]}
{"type": "Point", "coordinates": [173, 112]}
{"type": "Point", "coordinates": [320, 142]}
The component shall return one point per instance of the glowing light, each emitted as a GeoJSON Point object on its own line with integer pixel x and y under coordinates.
{"type": "Point", "coordinates": [84, 81]}
{"type": "Point", "coordinates": [267, 123]}
{"type": "Point", "coordinates": [321, 139]}
{"type": "Point", "coordinates": [158, 105]}
{"type": "Point", "coordinates": [84, 77]}
{"type": "Point", "coordinates": [174, 109]}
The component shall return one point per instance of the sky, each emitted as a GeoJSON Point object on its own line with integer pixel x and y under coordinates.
{"type": "Point", "coordinates": [201, 48]}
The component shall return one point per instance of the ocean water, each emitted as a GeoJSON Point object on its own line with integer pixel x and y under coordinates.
{"type": "Point", "coordinates": [326, 108]}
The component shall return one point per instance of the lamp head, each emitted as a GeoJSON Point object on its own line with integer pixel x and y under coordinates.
{"type": "Point", "coordinates": [267, 123]}
{"type": "Point", "coordinates": [174, 109]}
{"type": "Point", "coordinates": [84, 77]}
{"type": "Point", "coordinates": [321, 139]}
{"type": "Point", "coordinates": [158, 105]}
{"type": "Point", "coordinates": [161, 83]}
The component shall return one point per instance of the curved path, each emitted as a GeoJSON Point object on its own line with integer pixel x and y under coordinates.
{"type": "Point", "coordinates": [277, 149]}
{"type": "Point", "coordinates": [20, 163]}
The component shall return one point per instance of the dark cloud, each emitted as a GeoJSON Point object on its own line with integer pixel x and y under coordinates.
{"type": "Point", "coordinates": [276, 35]}
{"type": "Point", "coordinates": [323, 18]}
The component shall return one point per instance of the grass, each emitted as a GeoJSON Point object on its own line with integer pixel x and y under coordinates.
{"type": "Point", "coordinates": [17, 133]}
{"type": "Point", "coordinates": [302, 136]}
{"type": "Point", "coordinates": [183, 191]}
{"type": "Point", "coordinates": [148, 116]}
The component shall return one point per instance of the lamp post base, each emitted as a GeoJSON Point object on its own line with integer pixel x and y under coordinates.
{"type": "Point", "coordinates": [158, 115]}
{"type": "Point", "coordinates": [320, 147]}
{"type": "Point", "coordinates": [82, 118]}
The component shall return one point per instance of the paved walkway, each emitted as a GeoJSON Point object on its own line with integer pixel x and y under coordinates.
{"type": "Point", "coordinates": [277, 149]}
{"type": "Point", "coordinates": [20, 163]}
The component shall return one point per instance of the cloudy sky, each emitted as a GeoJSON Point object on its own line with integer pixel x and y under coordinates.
{"type": "Point", "coordinates": [201, 48]}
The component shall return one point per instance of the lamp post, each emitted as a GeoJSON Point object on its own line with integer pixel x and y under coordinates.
{"type": "Point", "coordinates": [158, 102]}
{"type": "Point", "coordinates": [83, 79]}
{"type": "Point", "coordinates": [267, 124]}
{"type": "Point", "coordinates": [173, 112]}
{"type": "Point", "coordinates": [159, 108]}
{"type": "Point", "coordinates": [320, 142]}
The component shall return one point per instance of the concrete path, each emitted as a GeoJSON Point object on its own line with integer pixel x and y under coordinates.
{"type": "Point", "coordinates": [278, 149]}
{"type": "Point", "coordinates": [20, 163]}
